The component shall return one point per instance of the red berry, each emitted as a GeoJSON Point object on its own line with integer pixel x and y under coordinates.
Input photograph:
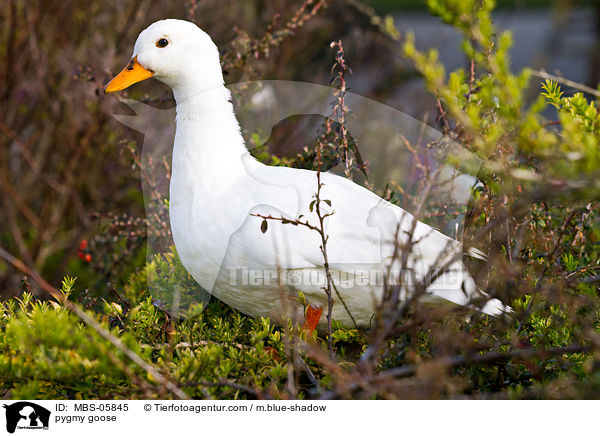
{"type": "Point", "coordinates": [83, 244]}
{"type": "Point", "coordinates": [88, 257]}
{"type": "Point", "coordinates": [81, 255]}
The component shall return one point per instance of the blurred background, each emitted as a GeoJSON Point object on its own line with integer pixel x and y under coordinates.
{"type": "Point", "coordinates": [70, 196]}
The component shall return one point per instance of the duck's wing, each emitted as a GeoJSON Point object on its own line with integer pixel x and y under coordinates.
{"type": "Point", "coordinates": [364, 233]}
{"type": "Point", "coordinates": [362, 226]}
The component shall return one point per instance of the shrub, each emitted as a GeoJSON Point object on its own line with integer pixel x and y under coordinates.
{"type": "Point", "coordinates": [534, 214]}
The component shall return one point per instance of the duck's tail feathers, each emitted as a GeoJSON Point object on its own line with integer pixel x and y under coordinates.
{"type": "Point", "coordinates": [495, 307]}
{"type": "Point", "coordinates": [477, 253]}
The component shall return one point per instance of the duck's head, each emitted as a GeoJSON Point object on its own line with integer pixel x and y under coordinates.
{"type": "Point", "coordinates": [176, 52]}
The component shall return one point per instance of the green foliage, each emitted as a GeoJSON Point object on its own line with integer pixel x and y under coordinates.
{"type": "Point", "coordinates": [539, 179]}
{"type": "Point", "coordinates": [494, 114]}
{"type": "Point", "coordinates": [576, 109]}
{"type": "Point", "coordinates": [172, 286]}
{"type": "Point", "coordinates": [537, 212]}
{"type": "Point", "coordinates": [47, 352]}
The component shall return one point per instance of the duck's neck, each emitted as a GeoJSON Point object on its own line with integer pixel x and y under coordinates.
{"type": "Point", "coordinates": [208, 145]}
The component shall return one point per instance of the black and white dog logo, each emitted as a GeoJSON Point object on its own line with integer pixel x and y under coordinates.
{"type": "Point", "coordinates": [26, 415]}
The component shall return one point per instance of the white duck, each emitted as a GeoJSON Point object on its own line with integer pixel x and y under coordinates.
{"type": "Point", "coordinates": [217, 188]}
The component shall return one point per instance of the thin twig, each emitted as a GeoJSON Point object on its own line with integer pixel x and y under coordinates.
{"type": "Point", "coordinates": [90, 321]}
{"type": "Point", "coordinates": [580, 86]}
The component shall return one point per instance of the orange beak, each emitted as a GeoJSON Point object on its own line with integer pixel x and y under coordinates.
{"type": "Point", "coordinates": [132, 73]}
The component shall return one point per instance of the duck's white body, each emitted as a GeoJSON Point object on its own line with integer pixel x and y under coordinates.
{"type": "Point", "coordinates": [217, 188]}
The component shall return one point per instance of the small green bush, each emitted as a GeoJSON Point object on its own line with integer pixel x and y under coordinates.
{"type": "Point", "coordinates": [536, 215]}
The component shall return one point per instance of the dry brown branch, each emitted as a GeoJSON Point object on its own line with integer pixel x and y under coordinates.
{"type": "Point", "coordinates": [454, 361]}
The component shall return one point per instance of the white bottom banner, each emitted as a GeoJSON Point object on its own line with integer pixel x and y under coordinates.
{"type": "Point", "coordinates": [307, 418]}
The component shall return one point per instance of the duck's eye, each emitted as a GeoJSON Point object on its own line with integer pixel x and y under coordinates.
{"type": "Point", "coordinates": [162, 42]}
